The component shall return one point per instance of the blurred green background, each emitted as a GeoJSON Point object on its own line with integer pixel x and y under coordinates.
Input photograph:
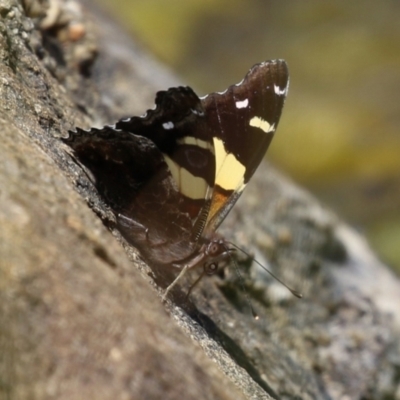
{"type": "Point", "coordinates": [340, 131]}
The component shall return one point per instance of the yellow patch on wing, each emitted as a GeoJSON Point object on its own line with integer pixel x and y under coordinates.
{"type": "Point", "coordinates": [264, 125]}
{"type": "Point", "coordinates": [229, 172]}
{"type": "Point", "coordinates": [229, 178]}
{"type": "Point", "coordinates": [189, 185]}
{"type": "Point", "coordinates": [190, 140]}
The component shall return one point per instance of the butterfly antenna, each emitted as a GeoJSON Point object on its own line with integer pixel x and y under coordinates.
{"type": "Point", "coordinates": [255, 315]}
{"type": "Point", "coordinates": [194, 284]}
{"type": "Point", "coordinates": [294, 292]}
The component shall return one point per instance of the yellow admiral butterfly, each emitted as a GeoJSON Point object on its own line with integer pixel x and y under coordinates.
{"type": "Point", "coordinates": [172, 175]}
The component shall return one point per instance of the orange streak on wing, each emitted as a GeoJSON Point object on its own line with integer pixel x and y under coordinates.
{"type": "Point", "coordinates": [218, 200]}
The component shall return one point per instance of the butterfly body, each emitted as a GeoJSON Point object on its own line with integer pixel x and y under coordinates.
{"type": "Point", "coordinates": [172, 175]}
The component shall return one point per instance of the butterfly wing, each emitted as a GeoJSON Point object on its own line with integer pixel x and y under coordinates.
{"type": "Point", "coordinates": [242, 122]}
{"type": "Point", "coordinates": [172, 175]}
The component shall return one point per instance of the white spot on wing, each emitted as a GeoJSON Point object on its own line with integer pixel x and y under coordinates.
{"type": "Point", "coordinates": [242, 104]}
{"type": "Point", "coordinates": [195, 112]}
{"type": "Point", "coordinates": [264, 125]}
{"type": "Point", "coordinates": [239, 83]}
{"type": "Point", "coordinates": [278, 91]}
{"type": "Point", "coordinates": [168, 125]}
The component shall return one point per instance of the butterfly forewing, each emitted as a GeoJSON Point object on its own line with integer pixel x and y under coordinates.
{"type": "Point", "coordinates": [242, 122]}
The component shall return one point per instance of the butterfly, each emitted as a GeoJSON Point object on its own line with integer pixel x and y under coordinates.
{"type": "Point", "coordinates": [172, 175]}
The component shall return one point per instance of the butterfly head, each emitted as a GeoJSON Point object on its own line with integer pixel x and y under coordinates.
{"type": "Point", "coordinates": [215, 252]}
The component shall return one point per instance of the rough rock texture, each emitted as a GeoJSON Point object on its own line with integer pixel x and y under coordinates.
{"type": "Point", "coordinates": [80, 315]}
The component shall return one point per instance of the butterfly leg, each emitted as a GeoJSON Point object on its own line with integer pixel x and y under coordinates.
{"type": "Point", "coordinates": [136, 233]}
{"type": "Point", "coordinates": [194, 284]}
{"type": "Point", "coordinates": [168, 289]}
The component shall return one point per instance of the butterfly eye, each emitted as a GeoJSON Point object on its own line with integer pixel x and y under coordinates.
{"type": "Point", "coordinates": [214, 249]}
{"type": "Point", "coordinates": [210, 268]}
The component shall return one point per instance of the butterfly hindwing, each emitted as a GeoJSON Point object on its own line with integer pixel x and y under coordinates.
{"type": "Point", "coordinates": [178, 128]}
